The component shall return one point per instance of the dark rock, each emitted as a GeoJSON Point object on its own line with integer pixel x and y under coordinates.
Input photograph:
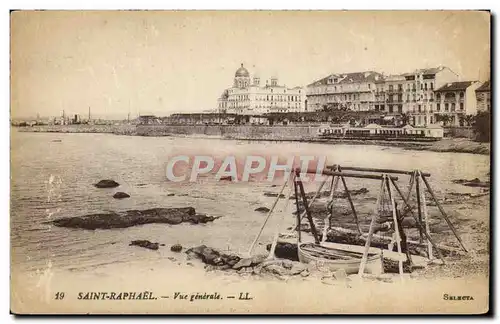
{"type": "Point", "coordinates": [243, 263]}
{"type": "Point", "coordinates": [145, 244]}
{"type": "Point", "coordinates": [472, 183]}
{"type": "Point", "coordinates": [276, 269]}
{"type": "Point", "coordinates": [212, 256]}
{"type": "Point", "coordinates": [176, 248]}
{"type": "Point", "coordinates": [228, 178]}
{"type": "Point", "coordinates": [297, 268]}
{"type": "Point", "coordinates": [285, 251]}
{"type": "Point", "coordinates": [130, 218]}
{"type": "Point", "coordinates": [121, 195]}
{"type": "Point", "coordinates": [170, 195]}
{"type": "Point", "coordinates": [272, 194]}
{"type": "Point", "coordinates": [273, 186]}
{"type": "Point", "coordinates": [107, 184]}
{"type": "Point", "coordinates": [262, 209]}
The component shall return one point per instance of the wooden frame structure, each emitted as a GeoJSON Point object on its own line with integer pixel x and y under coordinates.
{"type": "Point", "coordinates": [388, 185]}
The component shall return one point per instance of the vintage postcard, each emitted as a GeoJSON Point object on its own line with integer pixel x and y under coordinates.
{"type": "Point", "coordinates": [250, 162]}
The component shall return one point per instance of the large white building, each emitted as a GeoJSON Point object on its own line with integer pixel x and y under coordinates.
{"type": "Point", "coordinates": [354, 91]}
{"type": "Point", "coordinates": [248, 97]}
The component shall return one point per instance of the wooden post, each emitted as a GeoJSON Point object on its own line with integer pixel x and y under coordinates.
{"type": "Point", "coordinates": [419, 205]}
{"type": "Point", "coordinates": [267, 218]}
{"type": "Point", "coordinates": [278, 227]}
{"type": "Point", "coordinates": [395, 220]}
{"type": "Point", "coordinates": [313, 199]}
{"type": "Point", "coordinates": [308, 212]}
{"type": "Point", "coordinates": [370, 231]}
{"type": "Point", "coordinates": [445, 216]}
{"type": "Point", "coordinates": [416, 220]}
{"type": "Point", "coordinates": [408, 194]}
{"type": "Point", "coordinates": [348, 194]}
{"type": "Point", "coordinates": [404, 239]}
{"type": "Point", "coordinates": [330, 217]}
{"type": "Point", "coordinates": [426, 220]}
{"type": "Point", "coordinates": [295, 187]}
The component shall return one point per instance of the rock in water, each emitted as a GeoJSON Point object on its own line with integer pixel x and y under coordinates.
{"type": "Point", "coordinates": [176, 248]}
{"type": "Point", "coordinates": [262, 209]}
{"type": "Point", "coordinates": [130, 218]}
{"type": "Point", "coordinates": [243, 263]}
{"type": "Point", "coordinates": [145, 244]}
{"type": "Point", "coordinates": [121, 195]}
{"type": "Point", "coordinates": [107, 184]}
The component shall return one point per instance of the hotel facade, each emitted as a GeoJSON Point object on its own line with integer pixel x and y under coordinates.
{"type": "Point", "coordinates": [248, 97]}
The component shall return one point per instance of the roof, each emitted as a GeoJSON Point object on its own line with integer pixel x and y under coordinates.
{"type": "Point", "coordinates": [242, 72]}
{"type": "Point", "coordinates": [433, 70]}
{"type": "Point", "coordinates": [373, 126]}
{"type": "Point", "coordinates": [454, 86]}
{"type": "Point", "coordinates": [367, 76]}
{"type": "Point", "coordinates": [434, 126]}
{"type": "Point", "coordinates": [484, 87]}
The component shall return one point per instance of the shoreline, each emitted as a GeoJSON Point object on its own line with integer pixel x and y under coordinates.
{"type": "Point", "coordinates": [451, 145]}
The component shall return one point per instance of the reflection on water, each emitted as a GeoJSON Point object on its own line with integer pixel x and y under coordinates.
{"type": "Point", "coordinates": [52, 179]}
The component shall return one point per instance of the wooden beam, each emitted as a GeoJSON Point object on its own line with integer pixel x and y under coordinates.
{"type": "Point", "coordinates": [390, 171]}
{"type": "Point", "coordinates": [370, 232]}
{"type": "Point", "coordinates": [308, 212]}
{"type": "Point", "coordinates": [416, 220]}
{"type": "Point", "coordinates": [444, 213]}
{"type": "Point", "coordinates": [348, 194]}
{"type": "Point", "coordinates": [350, 175]}
{"type": "Point", "coordinates": [295, 186]}
{"type": "Point", "coordinates": [419, 205]}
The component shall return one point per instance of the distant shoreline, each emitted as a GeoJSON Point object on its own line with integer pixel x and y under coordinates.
{"type": "Point", "coordinates": [453, 145]}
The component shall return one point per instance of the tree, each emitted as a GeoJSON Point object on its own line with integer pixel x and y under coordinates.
{"type": "Point", "coordinates": [405, 119]}
{"type": "Point", "coordinates": [445, 119]}
{"type": "Point", "coordinates": [482, 126]}
{"type": "Point", "coordinates": [469, 119]}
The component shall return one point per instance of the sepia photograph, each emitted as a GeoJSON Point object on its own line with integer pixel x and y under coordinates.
{"type": "Point", "coordinates": [250, 162]}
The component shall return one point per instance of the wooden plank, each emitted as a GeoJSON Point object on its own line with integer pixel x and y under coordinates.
{"type": "Point", "coordinates": [308, 212]}
{"type": "Point", "coordinates": [390, 171]}
{"type": "Point", "coordinates": [392, 255]}
{"type": "Point", "coordinates": [444, 214]}
{"type": "Point", "coordinates": [349, 175]}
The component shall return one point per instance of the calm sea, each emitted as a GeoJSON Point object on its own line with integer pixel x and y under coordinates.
{"type": "Point", "coordinates": [52, 176]}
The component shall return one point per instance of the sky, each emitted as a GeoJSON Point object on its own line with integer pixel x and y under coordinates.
{"type": "Point", "coordinates": [163, 62]}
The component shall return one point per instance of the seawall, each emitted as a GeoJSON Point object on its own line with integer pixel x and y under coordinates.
{"type": "Point", "coordinates": [111, 129]}
{"type": "Point", "coordinates": [254, 132]}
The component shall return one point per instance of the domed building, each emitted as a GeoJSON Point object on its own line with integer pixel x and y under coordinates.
{"type": "Point", "coordinates": [248, 97]}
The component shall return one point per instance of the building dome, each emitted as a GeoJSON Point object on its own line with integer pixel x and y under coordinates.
{"type": "Point", "coordinates": [242, 72]}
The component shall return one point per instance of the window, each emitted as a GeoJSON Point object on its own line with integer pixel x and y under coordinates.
{"type": "Point", "coordinates": [425, 86]}
{"type": "Point", "coordinates": [419, 108]}
{"type": "Point", "coordinates": [438, 96]}
{"type": "Point", "coordinates": [453, 107]}
{"type": "Point", "coordinates": [400, 87]}
{"type": "Point", "coordinates": [438, 107]}
{"type": "Point", "coordinates": [432, 87]}
{"type": "Point", "coordinates": [391, 88]}
{"type": "Point", "coordinates": [390, 108]}
{"type": "Point", "coordinates": [461, 95]}
{"type": "Point", "coordinates": [369, 86]}
{"type": "Point", "coordinates": [461, 106]}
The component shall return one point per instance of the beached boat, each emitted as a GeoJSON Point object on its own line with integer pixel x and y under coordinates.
{"type": "Point", "coordinates": [333, 259]}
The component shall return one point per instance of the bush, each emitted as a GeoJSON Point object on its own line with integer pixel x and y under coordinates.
{"type": "Point", "coordinates": [482, 127]}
